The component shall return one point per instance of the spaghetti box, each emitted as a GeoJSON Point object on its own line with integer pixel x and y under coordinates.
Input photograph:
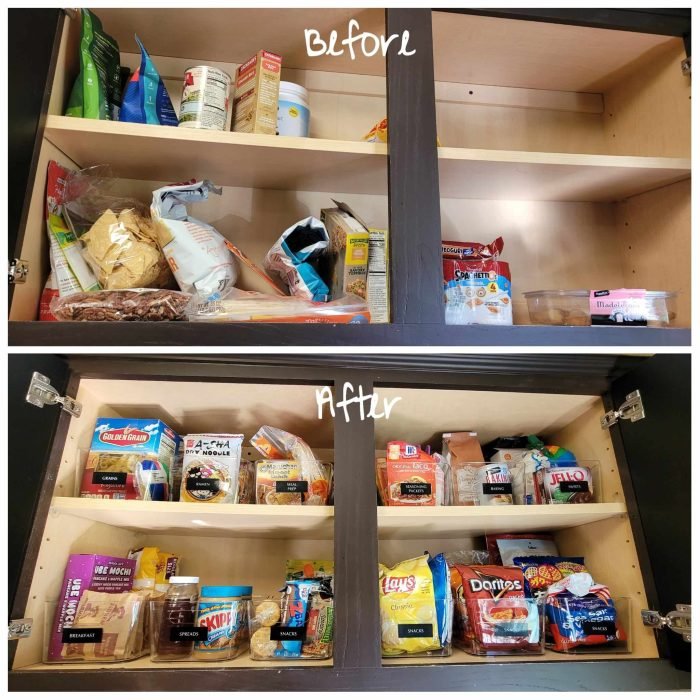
{"type": "Point", "coordinates": [349, 249]}
{"type": "Point", "coordinates": [130, 458]}
{"type": "Point", "coordinates": [86, 572]}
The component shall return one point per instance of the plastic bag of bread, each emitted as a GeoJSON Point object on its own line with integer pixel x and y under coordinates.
{"type": "Point", "coordinates": [117, 236]}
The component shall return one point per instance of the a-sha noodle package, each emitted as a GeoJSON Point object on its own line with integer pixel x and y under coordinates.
{"type": "Point", "coordinates": [407, 609]}
{"type": "Point", "coordinates": [210, 468]}
{"type": "Point", "coordinates": [145, 99]}
{"type": "Point", "coordinates": [477, 284]}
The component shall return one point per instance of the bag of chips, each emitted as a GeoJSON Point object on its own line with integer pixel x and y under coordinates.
{"type": "Point", "coordinates": [407, 609]}
{"type": "Point", "coordinates": [542, 572]}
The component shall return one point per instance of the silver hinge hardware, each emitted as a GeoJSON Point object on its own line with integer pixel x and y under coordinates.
{"type": "Point", "coordinates": [632, 410]}
{"type": "Point", "coordinates": [41, 393]}
{"type": "Point", "coordinates": [686, 66]}
{"type": "Point", "coordinates": [677, 620]}
{"type": "Point", "coordinates": [20, 629]}
{"type": "Point", "coordinates": [18, 271]}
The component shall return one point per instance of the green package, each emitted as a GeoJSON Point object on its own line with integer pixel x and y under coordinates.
{"type": "Point", "coordinates": [96, 93]}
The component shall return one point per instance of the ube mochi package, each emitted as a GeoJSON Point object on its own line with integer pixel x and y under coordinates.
{"type": "Point", "coordinates": [86, 572]}
{"type": "Point", "coordinates": [145, 99]}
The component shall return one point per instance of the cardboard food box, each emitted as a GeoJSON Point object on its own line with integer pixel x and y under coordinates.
{"type": "Point", "coordinates": [378, 275]}
{"type": "Point", "coordinates": [350, 250]}
{"type": "Point", "coordinates": [86, 572]}
{"type": "Point", "coordinates": [257, 94]}
{"type": "Point", "coordinates": [130, 459]}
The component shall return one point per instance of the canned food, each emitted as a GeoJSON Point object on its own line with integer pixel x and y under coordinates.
{"type": "Point", "coordinates": [205, 94]}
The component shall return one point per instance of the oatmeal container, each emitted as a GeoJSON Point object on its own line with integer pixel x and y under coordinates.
{"type": "Point", "coordinates": [205, 98]}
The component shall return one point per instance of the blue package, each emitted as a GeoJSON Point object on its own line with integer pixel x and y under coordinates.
{"type": "Point", "coordinates": [443, 595]}
{"type": "Point", "coordinates": [145, 99]}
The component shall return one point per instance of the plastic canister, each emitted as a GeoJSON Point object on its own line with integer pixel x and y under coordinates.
{"type": "Point", "coordinates": [223, 611]}
{"type": "Point", "coordinates": [293, 110]}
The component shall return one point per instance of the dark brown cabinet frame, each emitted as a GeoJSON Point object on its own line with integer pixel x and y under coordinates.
{"type": "Point", "coordinates": [357, 659]}
{"type": "Point", "coordinates": [414, 224]}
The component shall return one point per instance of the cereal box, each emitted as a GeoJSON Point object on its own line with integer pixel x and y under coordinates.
{"type": "Point", "coordinates": [130, 459]}
{"type": "Point", "coordinates": [257, 94]}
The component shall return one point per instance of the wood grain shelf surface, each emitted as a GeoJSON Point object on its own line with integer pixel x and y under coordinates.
{"type": "Point", "coordinates": [464, 521]}
{"type": "Point", "coordinates": [205, 520]}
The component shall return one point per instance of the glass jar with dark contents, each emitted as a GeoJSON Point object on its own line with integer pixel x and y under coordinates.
{"type": "Point", "coordinates": [179, 610]}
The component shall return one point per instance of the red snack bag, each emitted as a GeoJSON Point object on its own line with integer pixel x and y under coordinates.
{"type": "Point", "coordinates": [477, 285]}
{"type": "Point", "coordinates": [414, 478]}
{"type": "Point", "coordinates": [492, 614]}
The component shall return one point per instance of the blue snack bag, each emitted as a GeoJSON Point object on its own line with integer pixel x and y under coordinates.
{"type": "Point", "coordinates": [443, 595]}
{"type": "Point", "coordinates": [145, 99]}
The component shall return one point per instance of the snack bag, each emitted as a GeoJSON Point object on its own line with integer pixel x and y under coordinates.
{"type": "Point", "coordinates": [295, 611]}
{"type": "Point", "coordinates": [581, 613]}
{"type": "Point", "coordinates": [308, 568]}
{"type": "Point", "coordinates": [477, 284]}
{"type": "Point", "coordinates": [290, 259]}
{"type": "Point", "coordinates": [414, 478]}
{"type": "Point", "coordinates": [49, 293]}
{"type": "Point", "coordinates": [168, 565]}
{"type": "Point", "coordinates": [493, 614]}
{"type": "Point", "coordinates": [146, 568]}
{"type": "Point", "coordinates": [379, 133]}
{"type": "Point", "coordinates": [407, 609]}
{"type": "Point", "coordinates": [443, 596]}
{"type": "Point", "coordinates": [97, 89]}
{"type": "Point", "coordinates": [542, 571]}
{"type": "Point", "coordinates": [503, 549]}
{"type": "Point", "coordinates": [196, 252]}
{"type": "Point", "coordinates": [145, 99]}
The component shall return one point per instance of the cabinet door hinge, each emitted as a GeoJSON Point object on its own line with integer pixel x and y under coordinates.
{"type": "Point", "coordinates": [686, 66]}
{"type": "Point", "coordinates": [19, 629]}
{"type": "Point", "coordinates": [41, 393]}
{"type": "Point", "coordinates": [632, 410]}
{"type": "Point", "coordinates": [677, 620]}
{"type": "Point", "coordinates": [18, 270]}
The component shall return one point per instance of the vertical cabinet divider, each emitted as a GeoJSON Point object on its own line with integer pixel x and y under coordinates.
{"type": "Point", "coordinates": [414, 187]}
{"type": "Point", "coordinates": [357, 643]}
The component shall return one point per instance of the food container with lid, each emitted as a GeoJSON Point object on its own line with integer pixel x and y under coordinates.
{"type": "Point", "coordinates": [293, 110]}
{"type": "Point", "coordinates": [572, 307]}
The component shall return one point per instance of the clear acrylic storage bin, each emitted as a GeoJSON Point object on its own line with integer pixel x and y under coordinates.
{"type": "Point", "coordinates": [275, 637]}
{"type": "Point", "coordinates": [564, 484]}
{"type": "Point", "coordinates": [505, 627]}
{"type": "Point", "coordinates": [405, 637]}
{"type": "Point", "coordinates": [183, 631]}
{"type": "Point", "coordinates": [601, 635]}
{"type": "Point", "coordinates": [481, 484]}
{"type": "Point", "coordinates": [98, 628]}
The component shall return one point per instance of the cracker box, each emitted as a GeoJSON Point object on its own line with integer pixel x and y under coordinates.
{"type": "Point", "coordinates": [130, 459]}
{"type": "Point", "coordinates": [378, 275]}
{"type": "Point", "coordinates": [85, 572]}
{"type": "Point", "coordinates": [257, 94]}
{"type": "Point", "coordinates": [349, 249]}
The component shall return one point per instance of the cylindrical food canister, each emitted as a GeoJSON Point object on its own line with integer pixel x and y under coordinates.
{"type": "Point", "coordinates": [205, 94]}
{"type": "Point", "coordinates": [293, 110]}
{"type": "Point", "coordinates": [223, 610]}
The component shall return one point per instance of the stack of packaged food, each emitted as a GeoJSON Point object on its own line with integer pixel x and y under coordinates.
{"type": "Point", "coordinates": [144, 459]}
{"type": "Point", "coordinates": [520, 470]}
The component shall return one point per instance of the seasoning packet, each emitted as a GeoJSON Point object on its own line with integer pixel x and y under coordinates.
{"type": "Point", "coordinates": [414, 478]}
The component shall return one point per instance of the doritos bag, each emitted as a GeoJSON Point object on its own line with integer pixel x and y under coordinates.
{"type": "Point", "coordinates": [145, 99]}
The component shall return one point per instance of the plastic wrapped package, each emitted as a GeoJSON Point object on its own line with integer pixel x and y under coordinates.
{"type": "Point", "coordinates": [117, 236]}
{"type": "Point", "coordinates": [237, 306]}
{"type": "Point", "coordinates": [122, 305]}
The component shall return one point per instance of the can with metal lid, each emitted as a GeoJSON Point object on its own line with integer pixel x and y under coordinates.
{"type": "Point", "coordinates": [223, 611]}
{"type": "Point", "coordinates": [205, 98]}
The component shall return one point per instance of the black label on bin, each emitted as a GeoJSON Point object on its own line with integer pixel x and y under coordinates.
{"type": "Point", "coordinates": [84, 635]}
{"type": "Point", "coordinates": [291, 486]}
{"type": "Point", "coordinates": [106, 478]}
{"type": "Point", "coordinates": [497, 488]}
{"type": "Point", "coordinates": [195, 483]}
{"type": "Point", "coordinates": [188, 633]}
{"type": "Point", "coordinates": [573, 486]}
{"type": "Point", "coordinates": [413, 488]}
{"type": "Point", "coordinates": [420, 630]}
{"type": "Point", "coordinates": [511, 631]}
{"type": "Point", "coordinates": [605, 627]}
{"type": "Point", "coordinates": [280, 633]}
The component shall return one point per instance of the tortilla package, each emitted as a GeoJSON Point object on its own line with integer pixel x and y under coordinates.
{"type": "Point", "coordinates": [196, 252]}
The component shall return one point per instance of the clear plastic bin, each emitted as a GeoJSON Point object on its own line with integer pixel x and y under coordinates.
{"type": "Point", "coordinates": [272, 638]}
{"type": "Point", "coordinates": [571, 307]}
{"type": "Point", "coordinates": [578, 483]}
{"type": "Point", "coordinates": [100, 628]}
{"type": "Point", "coordinates": [406, 638]}
{"type": "Point", "coordinates": [481, 484]}
{"type": "Point", "coordinates": [505, 627]}
{"type": "Point", "coordinates": [218, 636]}
{"type": "Point", "coordinates": [619, 633]}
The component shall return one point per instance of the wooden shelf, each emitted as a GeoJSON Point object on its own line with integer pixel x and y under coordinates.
{"type": "Point", "coordinates": [463, 521]}
{"type": "Point", "coordinates": [467, 173]}
{"type": "Point", "coordinates": [198, 335]}
{"type": "Point", "coordinates": [212, 520]}
{"type": "Point", "coordinates": [171, 154]}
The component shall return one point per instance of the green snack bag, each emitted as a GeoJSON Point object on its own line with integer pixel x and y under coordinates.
{"type": "Point", "coordinates": [96, 93]}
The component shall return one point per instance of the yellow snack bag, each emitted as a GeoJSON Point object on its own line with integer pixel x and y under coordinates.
{"type": "Point", "coordinates": [407, 608]}
{"type": "Point", "coordinates": [146, 567]}
{"type": "Point", "coordinates": [167, 566]}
